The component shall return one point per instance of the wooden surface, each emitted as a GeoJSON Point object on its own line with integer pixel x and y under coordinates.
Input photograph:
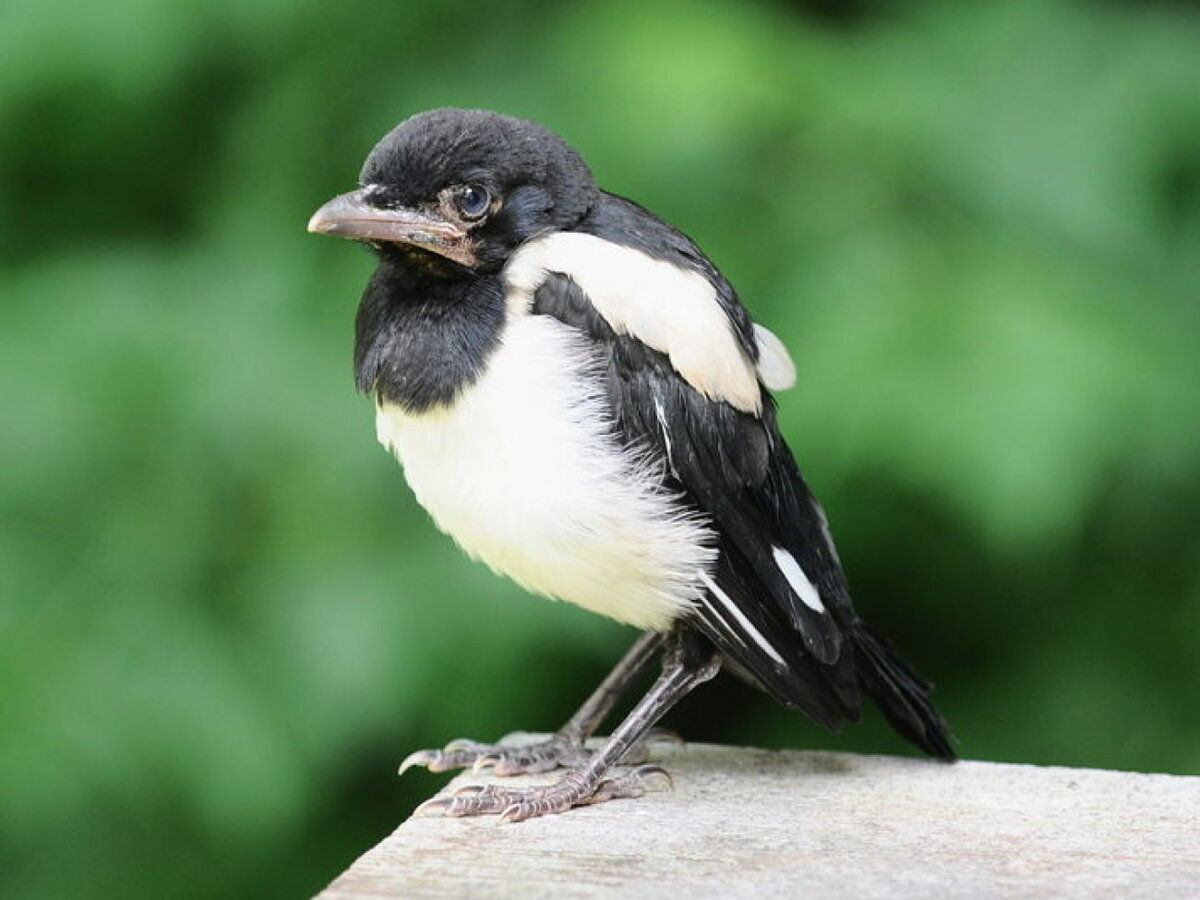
{"type": "Point", "coordinates": [755, 823]}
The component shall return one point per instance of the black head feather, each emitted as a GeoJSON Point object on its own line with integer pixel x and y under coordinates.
{"type": "Point", "coordinates": [536, 180]}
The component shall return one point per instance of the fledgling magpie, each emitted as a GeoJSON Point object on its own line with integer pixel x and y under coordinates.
{"type": "Point", "coordinates": [580, 400]}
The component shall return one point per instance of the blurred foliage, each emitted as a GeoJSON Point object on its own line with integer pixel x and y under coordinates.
{"type": "Point", "coordinates": [223, 619]}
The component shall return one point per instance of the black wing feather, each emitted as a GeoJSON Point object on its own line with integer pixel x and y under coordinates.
{"type": "Point", "coordinates": [725, 462]}
{"type": "Point", "coordinates": [736, 468]}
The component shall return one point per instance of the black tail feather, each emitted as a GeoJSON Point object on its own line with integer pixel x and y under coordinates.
{"type": "Point", "coordinates": [902, 694]}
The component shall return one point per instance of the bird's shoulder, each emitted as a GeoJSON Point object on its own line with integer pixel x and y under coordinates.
{"type": "Point", "coordinates": [647, 280]}
{"type": "Point", "coordinates": [625, 222]}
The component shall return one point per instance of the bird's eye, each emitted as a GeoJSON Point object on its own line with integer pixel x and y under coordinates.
{"type": "Point", "coordinates": [473, 201]}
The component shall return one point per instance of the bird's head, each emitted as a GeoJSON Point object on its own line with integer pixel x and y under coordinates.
{"type": "Point", "coordinates": [458, 190]}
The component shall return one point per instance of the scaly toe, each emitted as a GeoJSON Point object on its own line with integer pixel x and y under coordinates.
{"type": "Point", "coordinates": [574, 789]}
{"type": "Point", "coordinates": [469, 745]}
{"type": "Point", "coordinates": [458, 754]}
{"type": "Point", "coordinates": [631, 785]}
{"type": "Point", "coordinates": [504, 760]}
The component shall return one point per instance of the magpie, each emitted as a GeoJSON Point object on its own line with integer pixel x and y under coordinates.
{"type": "Point", "coordinates": [580, 400]}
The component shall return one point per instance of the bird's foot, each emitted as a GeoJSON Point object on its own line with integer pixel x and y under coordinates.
{"type": "Point", "coordinates": [557, 751]}
{"type": "Point", "coordinates": [501, 759]}
{"type": "Point", "coordinates": [573, 789]}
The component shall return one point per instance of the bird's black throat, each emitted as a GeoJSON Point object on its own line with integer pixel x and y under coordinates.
{"type": "Point", "coordinates": [422, 337]}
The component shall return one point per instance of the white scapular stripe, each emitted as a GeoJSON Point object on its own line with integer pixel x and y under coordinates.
{"type": "Point", "coordinates": [775, 365]}
{"type": "Point", "coordinates": [745, 623]}
{"type": "Point", "coordinates": [797, 579]}
{"type": "Point", "coordinates": [523, 471]}
{"type": "Point", "coordinates": [673, 310]}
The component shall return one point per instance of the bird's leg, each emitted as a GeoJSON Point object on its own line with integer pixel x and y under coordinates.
{"type": "Point", "coordinates": [689, 661]}
{"type": "Point", "coordinates": [565, 747]}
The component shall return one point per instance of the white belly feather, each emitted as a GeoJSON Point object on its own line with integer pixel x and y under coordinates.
{"type": "Point", "coordinates": [523, 472]}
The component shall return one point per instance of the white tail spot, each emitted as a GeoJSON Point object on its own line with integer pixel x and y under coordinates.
{"type": "Point", "coordinates": [797, 579]}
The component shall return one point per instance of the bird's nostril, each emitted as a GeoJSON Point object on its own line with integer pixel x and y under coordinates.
{"type": "Point", "coordinates": [377, 195]}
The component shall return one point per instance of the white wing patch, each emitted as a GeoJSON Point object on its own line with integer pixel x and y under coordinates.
{"type": "Point", "coordinates": [667, 308]}
{"type": "Point", "coordinates": [730, 607]}
{"type": "Point", "coordinates": [775, 365]}
{"type": "Point", "coordinates": [797, 579]}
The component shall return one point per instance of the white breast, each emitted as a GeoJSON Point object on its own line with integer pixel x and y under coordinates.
{"type": "Point", "coordinates": [524, 473]}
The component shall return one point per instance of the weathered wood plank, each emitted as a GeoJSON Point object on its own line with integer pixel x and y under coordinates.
{"type": "Point", "coordinates": [756, 823]}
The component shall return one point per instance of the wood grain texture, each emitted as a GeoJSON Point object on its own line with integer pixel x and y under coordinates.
{"type": "Point", "coordinates": [755, 823]}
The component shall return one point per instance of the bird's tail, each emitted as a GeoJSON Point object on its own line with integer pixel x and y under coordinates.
{"type": "Point", "coordinates": [901, 694]}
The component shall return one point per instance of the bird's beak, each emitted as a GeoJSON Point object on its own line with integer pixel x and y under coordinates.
{"type": "Point", "coordinates": [351, 216]}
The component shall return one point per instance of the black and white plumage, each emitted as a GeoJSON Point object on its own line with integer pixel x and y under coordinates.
{"type": "Point", "coordinates": [580, 400]}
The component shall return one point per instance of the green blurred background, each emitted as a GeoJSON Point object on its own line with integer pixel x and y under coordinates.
{"type": "Point", "coordinates": [223, 619]}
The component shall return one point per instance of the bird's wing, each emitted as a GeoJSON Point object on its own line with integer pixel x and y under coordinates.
{"type": "Point", "coordinates": [777, 603]}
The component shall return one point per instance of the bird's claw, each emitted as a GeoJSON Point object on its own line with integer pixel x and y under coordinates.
{"type": "Point", "coordinates": [573, 789]}
{"type": "Point", "coordinates": [532, 759]}
{"type": "Point", "coordinates": [455, 755]}
{"type": "Point", "coordinates": [500, 759]}
{"type": "Point", "coordinates": [419, 758]}
{"type": "Point", "coordinates": [439, 803]}
{"type": "Point", "coordinates": [485, 762]}
{"type": "Point", "coordinates": [663, 736]}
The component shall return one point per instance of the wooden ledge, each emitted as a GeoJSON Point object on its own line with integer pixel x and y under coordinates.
{"type": "Point", "coordinates": [756, 823]}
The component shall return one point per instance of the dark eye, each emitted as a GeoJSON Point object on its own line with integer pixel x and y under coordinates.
{"type": "Point", "coordinates": [473, 201]}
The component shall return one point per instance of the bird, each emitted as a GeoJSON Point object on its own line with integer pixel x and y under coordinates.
{"type": "Point", "coordinates": [578, 397]}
